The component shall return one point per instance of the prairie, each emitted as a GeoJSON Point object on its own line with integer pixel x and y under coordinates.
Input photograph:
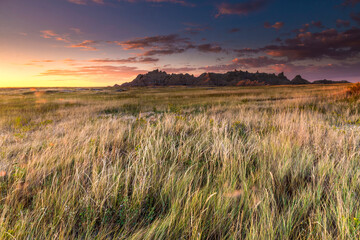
{"type": "Point", "coordinates": [275, 162]}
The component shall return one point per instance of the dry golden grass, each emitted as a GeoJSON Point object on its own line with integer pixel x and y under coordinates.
{"type": "Point", "coordinates": [180, 163]}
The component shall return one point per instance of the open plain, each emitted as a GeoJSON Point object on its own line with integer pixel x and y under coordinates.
{"type": "Point", "coordinates": [264, 162]}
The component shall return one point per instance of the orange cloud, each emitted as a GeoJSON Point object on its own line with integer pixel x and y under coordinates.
{"type": "Point", "coordinates": [86, 45]}
{"type": "Point", "coordinates": [50, 34]}
{"type": "Point", "coordinates": [79, 2]}
{"type": "Point", "coordinates": [68, 60]}
{"type": "Point", "coordinates": [122, 71]}
{"type": "Point", "coordinates": [43, 61]}
{"type": "Point", "coordinates": [127, 60]}
{"type": "Point", "coordinates": [275, 53]}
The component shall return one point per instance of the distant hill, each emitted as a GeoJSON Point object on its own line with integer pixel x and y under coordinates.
{"type": "Point", "coordinates": [232, 78]}
{"type": "Point", "coordinates": [325, 81]}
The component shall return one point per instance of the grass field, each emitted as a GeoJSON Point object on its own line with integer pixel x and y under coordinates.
{"type": "Point", "coordinates": [280, 162]}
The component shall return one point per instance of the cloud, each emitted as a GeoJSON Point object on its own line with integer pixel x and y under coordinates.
{"type": "Point", "coordinates": [165, 45]}
{"type": "Point", "coordinates": [76, 30]}
{"type": "Point", "coordinates": [85, 45]}
{"type": "Point", "coordinates": [355, 17]}
{"type": "Point", "coordinates": [342, 23]}
{"type": "Point", "coordinates": [342, 48]}
{"type": "Point", "coordinates": [350, 2]}
{"type": "Point", "coordinates": [262, 61]}
{"type": "Point", "coordinates": [167, 51]}
{"type": "Point", "coordinates": [34, 64]}
{"type": "Point", "coordinates": [317, 24]}
{"type": "Point", "coordinates": [181, 2]}
{"type": "Point", "coordinates": [246, 51]}
{"type": "Point", "coordinates": [160, 40]}
{"type": "Point", "coordinates": [325, 44]}
{"type": "Point", "coordinates": [79, 2]}
{"type": "Point", "coordinates": [191, 24]}
{"type": "Point", "coordinates": [39, 63]}
{"type": "Point", "coordinates": [219, 68]}
{"type": "Point", "coordinates": [43, 61]}
{"type": "Point", "coordinates": [105, 60]}
{"type": "Point", "coordinates": [276, 25]}
{"type": "Point", "coordinates": [243, 8]}
{"type": "Point", "coordinates": [234, 30]}
{"type": "Point", "coordinates": [307, 26]}
{"type": "Point", "coordinates": [337, 70]}
{"type": "Point", "coordinates": [127, 60]}
{"type": "Point", "coordinates": [123, 71]}
{"type": "Point", "coordinates": [178, 70]}
{"type": "Point", "coordinates": [195, 29]}
{"type": "Point", "coordinates": [333, 71]}
{"type": "Point", "coordinates": [209, 48]}
{"type": "Point", "coordinates": [184, 3]}
{"type": "Point", "coordinates": [85, 2]}
{"type": "Point", "coordinates": [69, 60]}
{"type": "Point", "coordinates": [50, 34]}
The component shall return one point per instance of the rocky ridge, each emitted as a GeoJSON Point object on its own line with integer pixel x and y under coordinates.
{"type": "Point", "coordinates": [232, 78]}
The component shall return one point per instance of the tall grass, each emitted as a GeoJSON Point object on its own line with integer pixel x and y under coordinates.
{"type": "Point", "coordinates": [227, 163]}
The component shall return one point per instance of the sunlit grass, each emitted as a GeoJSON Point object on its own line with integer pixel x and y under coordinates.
{"type": "Point", "coordinates": [180, 163]}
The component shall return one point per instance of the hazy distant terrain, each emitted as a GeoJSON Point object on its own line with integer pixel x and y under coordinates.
{"type": "Point", "coordinates": [266, 162]}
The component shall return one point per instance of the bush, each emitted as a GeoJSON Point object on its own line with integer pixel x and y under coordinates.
{"type": "Point", "coordinates": [353, 90]}
{"type": "Point", "coordinates": [133, 109]}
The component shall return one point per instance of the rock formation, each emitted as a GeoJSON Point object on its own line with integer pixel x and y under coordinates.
{"type": "Point", "coordinates": [160, 78]}
{"type": "Point", "coordinates": [232, 78]}
{"type": "Point", "coordinates": [299, 80]}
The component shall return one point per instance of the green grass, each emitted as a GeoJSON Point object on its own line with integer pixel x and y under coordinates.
{"type": "Point", "coordinates": [180, 163]}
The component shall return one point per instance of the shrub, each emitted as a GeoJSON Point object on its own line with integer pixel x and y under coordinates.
{"type": "Point", "coordinates": [353, 90]}
{"type": "Point", "coordinates": [133, 109]}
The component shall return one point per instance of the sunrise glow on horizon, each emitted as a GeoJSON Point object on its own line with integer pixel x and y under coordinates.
{"type": "Point", "coordinates": [90, 43]}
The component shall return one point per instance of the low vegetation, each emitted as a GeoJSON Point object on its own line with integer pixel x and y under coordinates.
{"type": "Point", "coordinates": [354, 90]}
{"type": "Point", "coordinates": [180, 163]}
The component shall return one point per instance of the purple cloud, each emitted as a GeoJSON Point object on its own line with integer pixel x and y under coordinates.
{"type": "Point", "coordinates": [276, 25]}
{"type": "Point", "coordinates": [243, 8]}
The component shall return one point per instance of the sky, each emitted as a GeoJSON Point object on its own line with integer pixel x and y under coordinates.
{"type": "Point", "coordinates": [48, 43]}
